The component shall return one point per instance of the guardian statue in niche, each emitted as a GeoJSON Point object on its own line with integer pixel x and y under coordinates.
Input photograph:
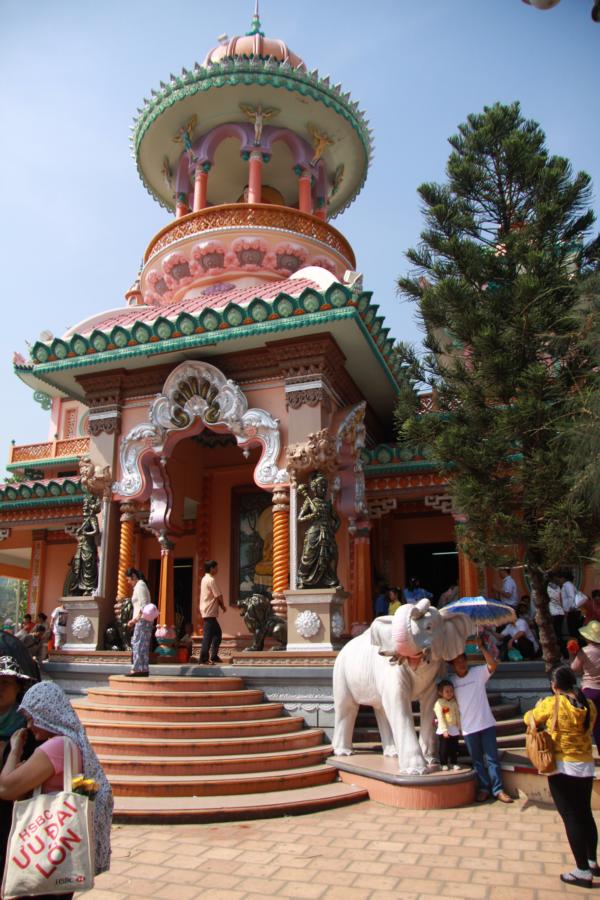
{"type": "Point", "coordinates": [318, 564]}
{"type": "Point", "coordinates": [82, 577]}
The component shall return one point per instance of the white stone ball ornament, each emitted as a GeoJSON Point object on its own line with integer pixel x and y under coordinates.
{"type": "Point", "coordinates": [82, 628]}
{"type": "Point", "coordinates": [307, 623]}
{"type": "Point", "coordinates": [337, 624]}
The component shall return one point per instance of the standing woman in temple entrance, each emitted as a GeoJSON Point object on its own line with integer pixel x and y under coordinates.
{"type": "Point", "coordinates": [142, 628]}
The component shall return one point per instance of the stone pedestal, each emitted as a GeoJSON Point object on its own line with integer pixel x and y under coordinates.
{"type": "Point", "coordinates": [315, 618]}
{"type": "Point", "coordinates": [86, 622]}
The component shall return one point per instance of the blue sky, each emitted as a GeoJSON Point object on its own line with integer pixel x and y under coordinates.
{"type": "Point", "coordinates": [75, 218]}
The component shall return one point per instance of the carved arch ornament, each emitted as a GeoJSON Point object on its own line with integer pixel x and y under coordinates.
{"type": "Point", "coordinates": [194, 396]}
{"type": "Point", "coordinates": [351, 436]}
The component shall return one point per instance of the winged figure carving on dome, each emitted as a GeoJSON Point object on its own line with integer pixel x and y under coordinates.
{"type": "Point", "coordinates": [167, 174]}
{"type": "Point", "coordinates": [258, 115]}
{"type": "Point", "coordinates": [184, 136]}
{"type": "Point", "coordinates": [320, 140]}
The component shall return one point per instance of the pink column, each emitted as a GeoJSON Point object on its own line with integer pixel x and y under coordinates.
{"type": "Point", "coordinates": [200, 186]}
{"type": "Point", "coordinates": [305, 192]}
{"type": "Point", "coordinates": [255, 177]}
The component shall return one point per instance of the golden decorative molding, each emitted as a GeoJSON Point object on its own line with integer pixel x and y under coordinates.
{"type": "Point", "coordinates": [49, 450]}
{"type": "Point", "coordinates": [251, 215]}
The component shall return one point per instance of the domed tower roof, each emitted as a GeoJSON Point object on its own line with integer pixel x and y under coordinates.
{"type": "Point", "coordinates": [253, 44]}
{"type": "Point", "coordinates": [240, 76]}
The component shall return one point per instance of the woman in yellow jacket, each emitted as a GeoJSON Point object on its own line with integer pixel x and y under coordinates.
{"type": "Point", "coordinates": [571, 782]}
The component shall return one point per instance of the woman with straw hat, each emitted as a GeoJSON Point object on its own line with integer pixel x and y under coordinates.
{"type": "Point", "coordinates": [586, 662]}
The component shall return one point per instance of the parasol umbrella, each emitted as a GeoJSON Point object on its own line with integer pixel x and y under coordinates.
{"type": "Point", "coordinates": [482, 611]}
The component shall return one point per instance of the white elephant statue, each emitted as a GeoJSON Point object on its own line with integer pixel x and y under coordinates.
{"type": "Point", "coordinates": [399, 659]}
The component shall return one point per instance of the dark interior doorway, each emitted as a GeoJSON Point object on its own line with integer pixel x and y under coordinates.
{"type": "Point", "coordinates": [435, 565]}
{"type": "Point", "coordinates": [182, 590]}
{"type": "Point", "coordinates": [183, 572]}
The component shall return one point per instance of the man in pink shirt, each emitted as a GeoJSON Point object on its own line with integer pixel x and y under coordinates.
{"type": "Point", "coordinates": [211, 600]}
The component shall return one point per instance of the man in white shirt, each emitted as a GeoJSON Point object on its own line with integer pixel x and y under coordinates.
{"type": "Point", "coordinates": [508, 591]}
{"type": "Point", "coordinates": [567, 597]}
{"type": "Point", "coordinates": [478, 723]}
{"type": "Point", "coordinates": [519, 635]}
{"type": "Point", "coordinates": [211, 600]}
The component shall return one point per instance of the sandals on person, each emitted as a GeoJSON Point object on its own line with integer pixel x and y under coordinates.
{"type": "Point", "coordinates": [576, 881]}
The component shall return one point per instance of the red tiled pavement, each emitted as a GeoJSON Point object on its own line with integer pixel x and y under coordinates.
{"type": "Point", "coordinates": [361, 852]}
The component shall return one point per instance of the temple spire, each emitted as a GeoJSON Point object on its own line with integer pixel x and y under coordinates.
{"type": "Point", "coordinates": [255, 27]}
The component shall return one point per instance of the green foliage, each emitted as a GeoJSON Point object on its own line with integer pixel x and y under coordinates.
{"type": "Point", "coordinates": [496, 281]}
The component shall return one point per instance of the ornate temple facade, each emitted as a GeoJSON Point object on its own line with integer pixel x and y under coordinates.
{"type": "Point", "coordinates": [247, 354]}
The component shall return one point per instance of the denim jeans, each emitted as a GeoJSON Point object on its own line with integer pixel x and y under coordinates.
{"type": "Point", "coordinates": [483, 749]}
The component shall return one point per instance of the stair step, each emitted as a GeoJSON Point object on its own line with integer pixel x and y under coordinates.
{"type": "Point", "coordinates": [176, 683]}
{"type": "Point", "coordinates": [366, 716]}
{"type": "Point", "coordinates": [142, 810]}
{"type": "Point", "coordinates": [148, 749]}
{"type": "Point", "coordinates": [189, 731]}
{"type": "Point", "coordinates": [175, 714]}
{"type": "Point", "coordinates": [159, 699]}
{"type": "Point", "coordinates": [217, 785]}
{"type": "Point", "coordinates": [215, 765]}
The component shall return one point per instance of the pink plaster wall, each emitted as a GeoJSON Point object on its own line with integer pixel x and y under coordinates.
{"type": "Point", "coordinates": [414, 530]}
{"type": "Point", "coordinates": [58, 557]}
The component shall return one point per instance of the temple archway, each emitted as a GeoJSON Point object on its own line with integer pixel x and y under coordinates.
{"type": "Point", "coordinates": [196, 395]}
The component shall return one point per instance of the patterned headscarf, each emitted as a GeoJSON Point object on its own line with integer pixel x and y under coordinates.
{"type": "Point", "coordinates": [50, 709]}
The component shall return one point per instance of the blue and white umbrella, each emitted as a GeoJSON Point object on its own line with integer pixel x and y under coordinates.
{"type": "Point", "coordinates": [482, 611]}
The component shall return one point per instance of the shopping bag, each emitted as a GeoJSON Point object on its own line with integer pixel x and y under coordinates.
{"type": "Point", "coordinates": [539, 744]}
{"type": "Point", "coordinates": [51, 844]}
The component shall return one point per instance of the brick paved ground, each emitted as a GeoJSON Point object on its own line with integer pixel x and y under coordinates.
{"type": "Point", "coordinates": [363, 851]}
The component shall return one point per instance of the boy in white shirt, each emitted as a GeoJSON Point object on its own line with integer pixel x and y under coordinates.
{"type": "Point", "coordinates": [478, 723]}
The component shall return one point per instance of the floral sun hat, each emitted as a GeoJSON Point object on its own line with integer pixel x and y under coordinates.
{"type": "Point", "coordinates": [10, 668]}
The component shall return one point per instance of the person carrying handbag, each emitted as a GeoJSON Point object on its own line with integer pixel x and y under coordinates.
{"type": "Point", "coordinates": [569, 723]}
{"type": "Point", "coordinates": [51, 718]}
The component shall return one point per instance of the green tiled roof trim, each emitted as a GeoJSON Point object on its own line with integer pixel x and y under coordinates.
{"type": "Point", "coordinates": [217, 325]}
{"type": "Point", "coordinates": [389, 458]}
{"type": "Point", "coordinates": [17, 496]}
{"type": "Point", "coordinates": [250, 71]}
{"type": "Point", "coordinates": [43, 463]}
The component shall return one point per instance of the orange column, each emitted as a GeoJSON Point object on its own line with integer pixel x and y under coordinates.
{"type": "Point", "coordinates": [362, 606]}
{"type": "Point", "coordinates": [304, 190]}
{"type": "Point", "coordinates": [166, 599]}
{"type": "Point", "coordinates": [468, 576]}
{"type": "Point", "coordinates": [182, 208]}
{"type": "Point", "coordinates": [321, 210]}
{"type": "Point", "coordinates": [125, 547]}
{"type": "Point", "coordinates": [38, 568]}
{"type": "Point", "coordinates": [281, 549]}
{"type": "Point", "coordinates": [200, 186]}
{"type": "Point", "coordinates": [255, 177]}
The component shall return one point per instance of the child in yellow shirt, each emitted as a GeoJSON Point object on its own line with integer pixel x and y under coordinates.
{"type": "Point", "coordinates": [448, 725]}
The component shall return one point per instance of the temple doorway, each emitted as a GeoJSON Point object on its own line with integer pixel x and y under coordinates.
{"type": "Point", "coordinates": [183, 580]}
{"type": "Point", "coordinates": [436, 565]}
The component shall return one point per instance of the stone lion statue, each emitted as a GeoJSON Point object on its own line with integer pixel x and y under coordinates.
{"type": "Point", "coordinates": [261, 621]}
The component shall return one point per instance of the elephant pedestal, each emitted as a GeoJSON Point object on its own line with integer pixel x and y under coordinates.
{"type": "Point", "coordinates": [315, 618]}
{"type": "Point", "coordinates": [380, 777]}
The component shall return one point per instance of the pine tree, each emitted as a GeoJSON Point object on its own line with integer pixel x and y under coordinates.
{"type": "Point", "coordinates": [495, 280]}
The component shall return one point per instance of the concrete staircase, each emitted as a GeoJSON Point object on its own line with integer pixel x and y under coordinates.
{"type": "Point", "coordinates": [206, 749]}
{"type": "Point", "coordinates": [510, 727]}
